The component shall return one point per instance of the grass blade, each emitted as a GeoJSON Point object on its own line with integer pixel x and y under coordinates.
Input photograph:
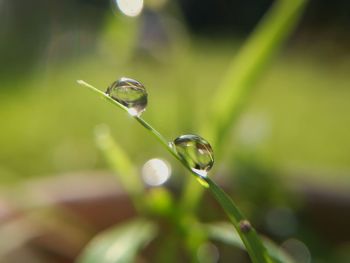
{"type": "Point", "coordinates": [225, 233]}
{"type": "Point", "coordinates": [249, 64]}
{"type": "Point", "coordinates": [251, 240]}
{"type": "Point", "coordinates": [119, 244]}
{"type": "Point", "coordinates": [119, 162]}
{"type": "Point", "coordinates": [247, 233]}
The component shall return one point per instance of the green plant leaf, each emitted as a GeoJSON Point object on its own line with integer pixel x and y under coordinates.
{"type": "Point", "coordinates": [246, 231]}
{"type": "Point", "coordinates": [249, 64]}
{"type": "Point", "coordinates": [119, 162]}
{"type": "Point", "coordinates": [119, 244]}
{"type": "Point", "coordinates": [224, 232]}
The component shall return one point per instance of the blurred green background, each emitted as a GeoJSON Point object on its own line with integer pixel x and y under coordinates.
{"type": "Point", "coordinates": [293, 132]}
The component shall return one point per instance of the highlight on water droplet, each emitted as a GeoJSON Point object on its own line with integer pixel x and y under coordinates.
{"type": "Point", "coordinates": [130, 93]}
{"type": "Point", "coordinates": [156, 172]}
{"type": "Point", "coordinates": [130, 7]}
{"type": "Point", "coordinates": [196, 152]}
{"type": "Point", "coordinates": [201, 180]}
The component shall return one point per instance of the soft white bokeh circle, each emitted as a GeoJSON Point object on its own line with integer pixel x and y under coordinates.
{"type": "Point", "coordinates": [130, 7]}
{"type": "Point", "coordinates": [156, 172]}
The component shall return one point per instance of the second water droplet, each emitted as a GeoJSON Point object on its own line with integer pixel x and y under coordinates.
{"type": "Point", "coordinates": [196, 152]}
{"type": "Point", "coordinates": [130, 93]}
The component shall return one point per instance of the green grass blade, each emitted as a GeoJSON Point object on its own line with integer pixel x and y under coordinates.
{"type": "Point", "coordinates": [247, 233]}
{"type": "Point", "coordinates": [119, 161]}
{"type": "Point", "coordinates": [251, 240]}
{"type": "Point", "coordinates": [119, 244]}
{"type": "Point", "coordinates": [145, 124]}
{"type": "Point", "coordinates": [249, 64]}
{"type": "Point", "coordinates": [225, 233]}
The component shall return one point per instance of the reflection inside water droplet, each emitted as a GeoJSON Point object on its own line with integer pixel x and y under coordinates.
{"type": "Point", "coordinates": [131, 93]}
{"type": "Point", "coordinates": [196, 152]}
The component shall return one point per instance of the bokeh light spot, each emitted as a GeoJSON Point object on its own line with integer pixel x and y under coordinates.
{"type": "Point", "coordinates": [156, 172]}
{"type": "Point", "coordinates": [130, 7]}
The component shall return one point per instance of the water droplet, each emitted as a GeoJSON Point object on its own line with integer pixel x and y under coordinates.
{"type": "Point", "coordinates": [196, 152]}
{"type": "Point", "coordinates": [130, 93]}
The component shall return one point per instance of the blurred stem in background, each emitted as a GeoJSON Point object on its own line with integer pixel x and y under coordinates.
{"type": "Point", "coordinates": [240, 78]}
{"type": "Point", "coordinates": [121, 164]}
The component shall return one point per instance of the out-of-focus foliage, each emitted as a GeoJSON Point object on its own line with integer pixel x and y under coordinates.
{"type": "Point", "coordinates": [297, 117]}
{"type": "Point", "coordinates": [290, 159]}
{"type": "Point", "coordinates": [120, 244]}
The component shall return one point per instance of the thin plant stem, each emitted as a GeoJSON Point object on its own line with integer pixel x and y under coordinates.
{"type": "Point", "coordinates": [145, 124]}
{"type": "Point", "coordinates": [250, 238]}
{"type": "Point", "coordinates": [247, 233]}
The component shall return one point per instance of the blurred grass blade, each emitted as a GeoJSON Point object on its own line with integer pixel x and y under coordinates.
{"type": "Point", "coordinates": [15, 234]}
{"type": "Point", "coordinates": [119, 244]}
{"type": "Point", "coordinates": [119, 161]}
{"type": "Point", "coordinates": [248, 65]}
{"type": "Point", "coordinates": [224, 232]}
